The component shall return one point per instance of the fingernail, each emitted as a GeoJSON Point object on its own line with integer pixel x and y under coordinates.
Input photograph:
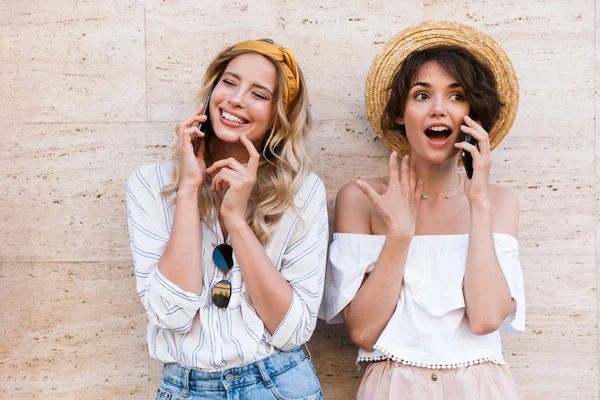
{"type": "Point", "coordinates": [358, 182]}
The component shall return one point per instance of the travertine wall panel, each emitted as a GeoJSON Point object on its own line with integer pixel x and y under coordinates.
{"type": "Point", "coordinates": [334, 44]}
{"type": "Point", "coordinates": [552, 174]}
{"type": "Point", "coordinates": [334, 357]}
{"type": "Point", "coordinates": [72, 61]}
{"type": "Point", "coordinates": [70, 330]}
{"type": "Point", "coordinates": [597, 154]}
{"type": "Point", "coordinates": [562, 325]}
{"type": "Point", "coordinates": [93, 89]}
{"type": "Point", "coordinates": [551, 45]}
{"type": "Point", "coordinates": [63, 188]}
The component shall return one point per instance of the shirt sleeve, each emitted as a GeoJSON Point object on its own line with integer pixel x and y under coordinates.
{"type": "Point", "coordinates": [303, 266]}
{"type": "Point", "coordinates": [507, 250]}
{"type": "Point", "coordinates": [351, 256]}
{"type": "Point", "coordinates": [167, 306]}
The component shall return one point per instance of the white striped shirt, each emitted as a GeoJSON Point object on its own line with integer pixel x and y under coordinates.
{"type": "Point", "coordinates": [188, 329]}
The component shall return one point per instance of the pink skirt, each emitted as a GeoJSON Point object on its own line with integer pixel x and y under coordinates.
{"type": "Point", "coordinates": [393, 380]}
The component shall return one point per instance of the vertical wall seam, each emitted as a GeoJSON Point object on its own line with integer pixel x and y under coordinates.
{"type": "Point", "coordinates": [595, 208]}
{"type": "Point", "coordinates": [146, 59]}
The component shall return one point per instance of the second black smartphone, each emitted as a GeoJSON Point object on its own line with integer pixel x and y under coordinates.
{"type": "Point", "coordinates": [467, 158]}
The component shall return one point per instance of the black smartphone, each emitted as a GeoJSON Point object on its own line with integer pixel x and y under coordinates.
{"type": "Point", "coordinates": [206, 111]}
{"type": "Point", "coordinates": [467, 158]}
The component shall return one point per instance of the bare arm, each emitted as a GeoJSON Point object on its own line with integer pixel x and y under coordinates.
{"type": "Point", "coordinates": [181, 263]}
{"type": "Point", "coordinates": [287, 300]}
{"type": "Point", "coordinates": [375, 302]}
{"type": "Point", "coordinates": [487, 295]}
{"type": "Point", "coordinates": [271, 294]}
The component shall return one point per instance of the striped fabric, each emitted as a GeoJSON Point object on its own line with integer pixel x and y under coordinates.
{"type": "Point", "coordinates": [186, 328]}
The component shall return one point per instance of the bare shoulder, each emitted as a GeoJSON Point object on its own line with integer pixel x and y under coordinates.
{"type": "Point", "coordinates": [505, 206]}
{"type": "Point", "coordinates": [350, 194]}
{"type": "Point", "coordinates": [503, 198]}
{"type": "Point", "coordinates": [353, 209]}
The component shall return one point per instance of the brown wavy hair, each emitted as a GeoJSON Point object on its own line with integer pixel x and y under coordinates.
{"type": "Point", "coordinates": [475, 77]}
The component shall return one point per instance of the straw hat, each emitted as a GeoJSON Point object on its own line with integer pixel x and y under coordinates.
{"type": "Point", "coordinates": [432, 34]}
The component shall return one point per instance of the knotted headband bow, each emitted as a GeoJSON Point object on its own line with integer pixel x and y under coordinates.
{"type": "Point", "coordinates": [286, 59]}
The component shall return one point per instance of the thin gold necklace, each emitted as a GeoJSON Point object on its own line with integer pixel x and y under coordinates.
{"type": "Point", "coordinates": [424, 196]}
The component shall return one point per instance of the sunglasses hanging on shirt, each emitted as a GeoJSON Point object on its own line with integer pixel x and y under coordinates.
{"type": "Point", "coordinates": [223, 259]}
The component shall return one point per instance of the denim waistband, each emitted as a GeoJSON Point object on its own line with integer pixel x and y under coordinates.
{"type": "Point", "coordinates": [233, 377]}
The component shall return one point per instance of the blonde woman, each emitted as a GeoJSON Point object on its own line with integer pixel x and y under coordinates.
{"type": "Point", "coordinates": [229, 238]}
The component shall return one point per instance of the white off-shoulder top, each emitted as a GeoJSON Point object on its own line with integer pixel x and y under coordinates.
{"type": "Point", "coordinates": [429, 327]}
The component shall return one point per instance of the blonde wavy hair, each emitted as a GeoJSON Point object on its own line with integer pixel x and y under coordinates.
{"type": "Point", "coordinates": [284, 161]}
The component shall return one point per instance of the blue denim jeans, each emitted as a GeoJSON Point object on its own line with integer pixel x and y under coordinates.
{"type": "Point", "coordinates": [281, 376]}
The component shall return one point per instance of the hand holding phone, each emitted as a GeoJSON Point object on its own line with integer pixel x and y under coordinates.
{"type": "Point", "coordinates": [205, 111]}
{"type": "Point", "coordinates": [467, 158]}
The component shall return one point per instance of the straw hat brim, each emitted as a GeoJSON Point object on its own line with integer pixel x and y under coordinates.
{"type": "Point", "coordinates": [433, 34]}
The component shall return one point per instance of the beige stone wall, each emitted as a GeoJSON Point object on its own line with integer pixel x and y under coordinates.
{"type": "Point", "coordinates": [91, 89]}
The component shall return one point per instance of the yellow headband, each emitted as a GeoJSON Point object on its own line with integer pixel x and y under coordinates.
{"type": "Point", "coordinates": [286, 60]}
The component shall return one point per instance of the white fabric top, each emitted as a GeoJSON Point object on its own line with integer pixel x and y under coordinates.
{"type": "Point", "coordinates": [187, 328]}
{"type": "Point", "coordinates": [429, 327]}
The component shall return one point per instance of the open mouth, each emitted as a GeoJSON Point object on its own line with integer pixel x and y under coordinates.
{"type": "Point", "coordinates": [233, 118]}
{"type": "Point", "coordinates": [438, 134]}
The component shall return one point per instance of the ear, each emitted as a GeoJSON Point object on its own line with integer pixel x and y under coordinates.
{"type": "Point", "coordinates": [399, 120]}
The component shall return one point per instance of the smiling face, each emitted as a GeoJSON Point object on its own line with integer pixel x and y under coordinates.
{"type": "Point", "coordinates": [434, 112]}
{"type": "Point", "coordinates": [242, 102]}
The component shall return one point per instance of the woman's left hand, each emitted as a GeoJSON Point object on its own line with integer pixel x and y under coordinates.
{"type": "Point", "coordinates": [476, 188]}
{"type": "Point", "coordinates": [236, 181]}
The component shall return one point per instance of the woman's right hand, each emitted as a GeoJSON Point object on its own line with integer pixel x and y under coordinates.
{"type": "Point", "coordinates": [400, 203]}
{"type": "Point", "coordinates": [191, 166]}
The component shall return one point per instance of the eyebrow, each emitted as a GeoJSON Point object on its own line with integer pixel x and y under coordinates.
{"type": "Point", "coordinates": [428, 85]}
{"type": "Point", "coordinates": [256, 85]}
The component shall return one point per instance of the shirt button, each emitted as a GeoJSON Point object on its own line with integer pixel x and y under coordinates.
{"type": "Point", "coordinates": [205, 307]}
{"type": "Point", "coordinates": [213, 244]}
{"type": "Point", "coordinates": [229, 378]}
{"type": "Point", "coordinates": [434, 377]}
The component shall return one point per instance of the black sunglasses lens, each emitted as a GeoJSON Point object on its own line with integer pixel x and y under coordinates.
{"type": "Point", "coordinates": [223, 257]}
{"type": "Point", "coordinates": [221, 293]}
